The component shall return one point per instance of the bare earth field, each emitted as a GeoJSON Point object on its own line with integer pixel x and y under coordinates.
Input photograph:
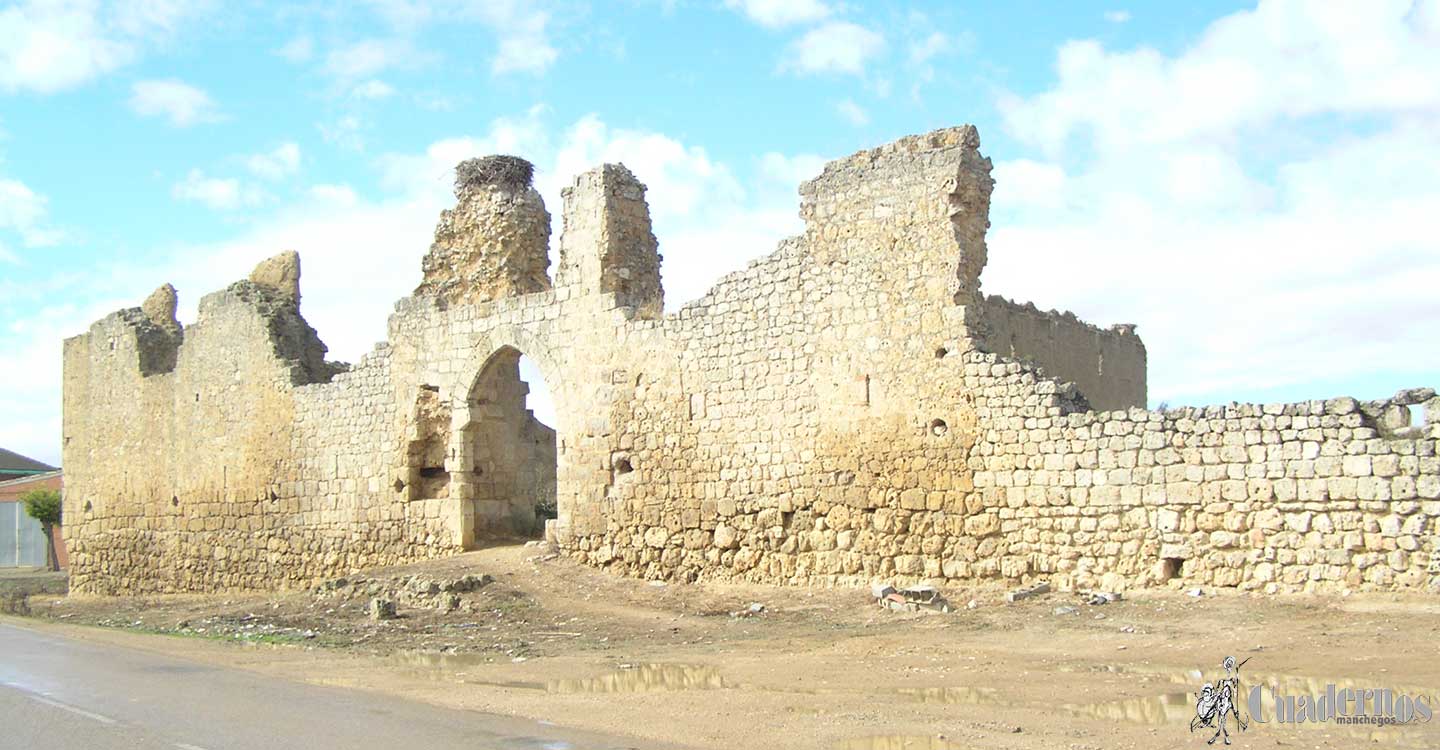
{"type": "Point", "coordinates": [694, 666]}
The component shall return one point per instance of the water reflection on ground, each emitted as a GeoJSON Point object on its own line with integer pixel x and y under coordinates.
{"type": "Point", "coordinates": [637, 678]}
{"type": "Point", "coordinates": [899, 742]}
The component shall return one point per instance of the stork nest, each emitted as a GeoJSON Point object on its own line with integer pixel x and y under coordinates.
{"type": "Point", "coordinates": [499, 170]}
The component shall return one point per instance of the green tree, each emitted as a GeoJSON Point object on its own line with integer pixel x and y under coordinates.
{"type": "Point", "coordinates": [44, 506]}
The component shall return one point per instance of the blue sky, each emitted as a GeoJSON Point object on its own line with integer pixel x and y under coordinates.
{"type": "Point", "coordinates": [1255, 186]}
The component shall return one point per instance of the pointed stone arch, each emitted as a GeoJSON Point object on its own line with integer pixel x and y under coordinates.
{"type": "Point", "coordinates": [502, 460]}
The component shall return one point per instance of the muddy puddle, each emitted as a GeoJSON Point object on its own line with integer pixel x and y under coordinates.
{"type": "Point", "coordinates": [628, 678]}
{"type": "Point", "coordinates": [899, 742]}
{"type": "Point", "coordinates": [661, 677]}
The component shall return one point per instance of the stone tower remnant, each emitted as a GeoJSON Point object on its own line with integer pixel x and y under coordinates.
{"type": "Point", "coordinates": [494, 242]}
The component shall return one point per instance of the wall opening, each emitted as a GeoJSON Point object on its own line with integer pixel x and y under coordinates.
{"type": "Point", "coordinates": [1171, 568]}
{"type": "Point", "coordinates": [938, 427]}
{"type": "Point", "coordinates": [510, 450]}
{"type": "Point", "coordinates": [426, 475]}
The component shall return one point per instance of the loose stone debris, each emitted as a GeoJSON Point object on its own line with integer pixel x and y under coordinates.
{"type": "Point", "coordinates": [1026, 593]}
{"type": "Point", "coordinates": [413, 591]}
{"type": "Point", "coordinates": [922, 598]}
{"type": "Point", "coordinates": [381, 609]}
{"type": "Point", "coordinates": [1097, 598]}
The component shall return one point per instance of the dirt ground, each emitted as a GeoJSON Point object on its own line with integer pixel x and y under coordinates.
{"type": "Point", "coordinates": [730, 666]}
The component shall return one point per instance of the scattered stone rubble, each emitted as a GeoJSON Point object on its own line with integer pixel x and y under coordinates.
{"type": "Point", "coordinates": [388, 595]}
{"type": "Point", "coordinates": [921, 598]}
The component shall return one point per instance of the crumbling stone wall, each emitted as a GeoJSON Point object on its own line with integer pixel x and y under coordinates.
{"type": "Point", "coordinates": [851, 407]}
{"type": "Point", "coordinates": [1107, 365]}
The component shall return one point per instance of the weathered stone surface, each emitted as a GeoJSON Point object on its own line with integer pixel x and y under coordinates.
{"type": "Point", "coordinates": [849, 409]}
{"type": "Point", "coordinates": [160, 306]}
{"type": "Point", "coordinates": [280, 273]}
{"type": "Point", "coordinates": [493, 243]}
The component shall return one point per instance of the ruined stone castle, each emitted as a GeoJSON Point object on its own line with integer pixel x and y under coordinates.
{"type": "Point", "coordinates": [849, 408]}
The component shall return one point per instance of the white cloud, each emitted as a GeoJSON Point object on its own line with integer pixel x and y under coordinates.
{"type": "Point", "coordinates": [524, 45]}
{"type": "Point", "coordinates": [433, 101]}
{"type": "Point", "coordinates": [1210, 197]}
{"type": "Point", "coordinates": [221, 194]}
{"type": "Point", "coordinates": [368, 57]}
{"type": "Point", "coordinates": [1117, 16]}
{"type": "Point", "coordinates": [179, 102]}
{"type": "Point", "coordinates": [521, 29]}
{"type": "Point", "coordinates": [298, 50]}
{"type": "Point", "coordinates": [790, 171]}
{"type": "Point", "coordinates": [1280, 61]}
{"type": "Point", "coordinates": [277, 164]}
{"type": "Point", "coordinates": [344, 133]}
{"type": "Point", "coordinates": [372, 89]}
{"type": "Point", "coordinates": [836, 47]}
{"type": "Point", "coordinates": [852, 112]}
{"type": "Point", "coordinates": [48, 46]}
{"type": "Point", "coordinates": [334, 194]}
{"type": "Point", "coordinates": [924, 48]}
{"type": "Point", "coordinates": [778, 13]}
{"type": "Point", "coordinates": [23, 211]}
{"type": "Point", "coordinates": [1028, 183]}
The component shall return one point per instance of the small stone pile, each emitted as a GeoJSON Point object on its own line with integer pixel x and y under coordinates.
{"type": "Point", "coordinates": [386, 595]}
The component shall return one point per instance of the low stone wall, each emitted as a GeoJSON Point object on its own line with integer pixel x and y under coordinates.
{"type": "Point", "coordinates": [1318, 495]}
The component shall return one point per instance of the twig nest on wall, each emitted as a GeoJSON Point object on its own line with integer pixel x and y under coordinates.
{"type": "Point", "coordinates": [499, 170]}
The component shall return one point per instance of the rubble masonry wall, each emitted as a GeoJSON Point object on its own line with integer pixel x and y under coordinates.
{"type": "Point", "coordinates": [850, 408]}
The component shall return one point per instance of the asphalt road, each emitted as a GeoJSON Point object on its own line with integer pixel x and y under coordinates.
{"type": "Point", "coordinates": [62, 694]}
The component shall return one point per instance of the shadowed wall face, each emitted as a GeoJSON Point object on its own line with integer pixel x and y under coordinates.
{"type": "Point", "coordinates": [512, 455]}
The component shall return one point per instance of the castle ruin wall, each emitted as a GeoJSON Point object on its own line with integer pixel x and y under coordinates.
{"type": "Point", "coordinates": [850, 408]}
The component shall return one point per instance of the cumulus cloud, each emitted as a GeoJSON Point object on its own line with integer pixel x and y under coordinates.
{"type": "Point", "coordinates": [778, 13]}
{"type": "Point", "coordinates": [520, 28]}
{"type": "Point", "coordinates": [334, 194]}
{"type": "Point", "coordinates": [373, 89]}
{"type": "Point", "coordinates": [48, 46]}
{"type": "Point", "coordinates": [298, 50]}
{"type": "Point", "coordinates": [852, 112]}
{"type": "Point", "coordinates": [368, 57]}
{"type": "Point", "coordinates": [1281, 61]}
{"type": "Point", "coordinates": [1117, 16]}
{"type": "Point", "coordinates": [221, 194]}
{"type": "Point", "coordinates": [1211, 197]}
{"type": "Point", "coordinates": [789, 171]}
{"type": "Point", "coordinates": [179, 102]}
{"type": "Point", "coordinates": [22, 211]}
{"type": "Point", "coordinates": [835, 47]}
{"type": "Point", "coordinates": [345, 132]}
{"type": "Point", "coordinates": [277, 164]}
{"type": "Point", "coordinates": [928, 46]}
